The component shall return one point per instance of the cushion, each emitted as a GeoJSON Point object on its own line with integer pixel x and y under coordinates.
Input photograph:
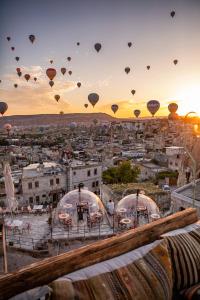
{"type": "Point", "coordinates": [193, 293]}
{"type": "Point", "coordinates": [144, 273]}
{"type": "Point", "coordinates": [184, 248]}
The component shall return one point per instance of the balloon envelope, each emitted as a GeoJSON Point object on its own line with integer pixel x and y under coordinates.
{"type": "Point", "coordinates": [86, 105]}
{"type": "Point", "coordinates": [19, 74]}
{"type": "Point", "coordinates": [79, 84]}
{"type": "Point", "coordinates": [8, 38]}
{"type": "Point", "coordinates": [70, 72]}
{"type": "Point", "coordinates": [32, 38]}
{"type": "Point", "coordinates": [172, 107]}
{"type": "Point", "coordinates": [97, 47]}
{"type": "Point", "coordinates": [35, 78]}
{"type": "Point", "coordinates": [27, 77]}
{"type": "Point", "coordinates": [63, 70]}
{"type": "Point", "coordinates": [51, 83]}
{"type": "Point", "coordinates": [148, 67]}
{"type": "Point", "coordinates": [172, 13]}
{"type": "Point", "coordinates": [69, 58]}
{"type": "Point", "coordinates": [12, 48]}
{"type": "Point", "coordinates": [51, 61]}
{"type": "Point", "coordinates": [57, 97]}
{"type": "Point", "coordinates": [133, 92]}
{"type": "Point", "coordinates": [175, 61]}
{"type": "Point", "coordinates": [93, 98]}
{"type": "Point", "coordinates": [127, 70]}
{"type": "Point", "coordinates": [114, 108]}
{"type": "Point", "coordinates": [153, 106]}
{"type": "Point", "coordinates": [18, 70]}
{"type": "Point", "coordinates": [137, 112]}
{"type": "Point", "coordinates": [129, 44]}
{"type": "Point", "coordinates": [7, 126]}
{"type": "Point", "coordinates": [51, 73]}
{"type": "Point", "coordinates": [17, 58]}
{"type": "Point", "coordinates": [3, 107]}
{"type": "Point", "coordinates": [15, 85]}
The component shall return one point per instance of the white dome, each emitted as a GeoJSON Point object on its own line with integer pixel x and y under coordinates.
{"type": "Point", "coordinates": [131, 201]}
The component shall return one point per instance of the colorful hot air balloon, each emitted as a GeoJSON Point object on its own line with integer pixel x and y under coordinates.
{"type": "Point", "coordinates": [137, 112]}
{"type": "Point", "coordinates": [8, 38]}
{"type": "Point", "coordinates": [15, 85]}
{"type": "Point", "coordinates": [32, 38]}
{"type": "Point", "coordinates": [35, 79]}
{"type": "Point", "coordinates": [129, 44]}
{"type": "Point", "coordinates": [51, 73]}
{"type": "Point", "coordinates": [79, 84]}
{"type": "Point", "coordinates": [12, 48]}
{"type": "Point", "coordinates": [51, 83]}
{"type": "Point", "coordinates": [69, 58]}
{"type": "Point", "coordinates": [133, 92]}
{"type": "Point", "coordinates": [172, 14]}
{"type": "Point", "coordinates": [172, 107]}
{"type": "Point", "coordinates": [57, 97]}
{"type": "Point", "coordinates": [114, 108]}
{"type": "Point", "coordinates": [175, 61]}
{"type": "Point", "coordinates": [3, 108]}
{"type": "Point", "coordinates": [19, 74]}
{"type": "Point", "coordinates": [18, 70]}
{"type": "Point", "coordinates": [148, 67]}
{"type": "Point", "coordinates": [7, 127]}
{"type": "Point", "coordinates": [127, 70]}
{"type": "Point", "coordinates": [70, 72]}
{"type": "Point", "coordinates": [17, 58]}
{"type": "Point", "coordinates": [97, 47]}
{"type": "Point", "coordinates": [63, 70]}
{"type": "Point", "coordinates": [153, 106]}
{"type": "Point", "coordinates": [27, 77]}
{"type": "Point", "coordinates": [93, 98]}
{"type": "Point", "coordinates": [86, 105]}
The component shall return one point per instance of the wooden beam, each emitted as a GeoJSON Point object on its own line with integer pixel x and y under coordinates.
{"type": "Point", "coordinates": [49, 269]}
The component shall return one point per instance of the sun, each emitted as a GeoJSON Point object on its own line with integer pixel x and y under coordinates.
{"type": "Point", "coordinates": [189, 99]}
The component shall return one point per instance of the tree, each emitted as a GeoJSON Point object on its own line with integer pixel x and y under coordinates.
{"type": "Point", "coordinates": [124, 173]}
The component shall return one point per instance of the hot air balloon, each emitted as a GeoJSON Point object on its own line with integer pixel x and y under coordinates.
{"type": "Point", "coordinates": [27, 77]}
{"type": "Point", "coordinates": [12, 48]}
{"type": "Point", "coordinates": [61, 113]}
{"type": "Point", "coordinates": [51, 73]}
{"type": "Point", "coordinates": [57, 97]}
{"type": "Point", "coordinates": [148, 67]}
{"type": "Point", "coordinates": [79, 84]}
{"type": "Point", "coordinates": [127, 70]}
{"type": "Point", "coordinates": [172, 107]}
{"type": "Point", "coordinates": [32, 38]}
{"type": "Point", "coordinates": [19, 74]}
{"type": "Point", "coordinates": [114, 108]}
{"type": "Point", "coordinates": [86, 105]}
{"type": "Point", "coordinates": [173, 116]}
{"type": "Point", "coordinates": [93, 98]}
{"type": "Point", "coordinates": [17, 58]}
{"type": "Point", "coordinates": [0, 80]}
{"type": "Point", "coordinates": [8, 38]}
{"type": "Point", "coordinates": [51, 83]}
{"type": "Point", "coordinates": [63, 70]}
{"type": "Point", "coordinates": [70, 72]}
{"type": "Point", "coordinates": [18, 70]}
{"type": "Point", "coordinates": [8, 128]}
{"type": "Point", "coordinates": [153, 106]}
{"type": "Point", "coordinates": [15, 85]}
{"type": "Point", "coordinates": [129, 44]}
{"type": "Point", "coordinates": [97, 47]}
{"type": "Point", "coordinates": [172, 14]}
{"type": "Point", "coordinates": [69, 58]}
{"type": "Point", "coordinates": [175, 61]}
{"type": "Point", "coordinates": [35, 79]}
{"type": "Point", "coordinates": [137, 112]}
{"type": "Point", "coordinates": [133, 92]}
{"type": "Point", "coordinates": [3, 108]}
{"type": "Point", "coordinates": [78, 44]}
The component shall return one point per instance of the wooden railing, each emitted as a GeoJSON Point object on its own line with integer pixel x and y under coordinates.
{"type": "Point", "coordinates": [49, 269]}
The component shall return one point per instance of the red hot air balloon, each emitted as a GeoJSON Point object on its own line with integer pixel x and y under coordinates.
{"type": "Point", "coordinates": [7, 127]}
{"type": "Point", "coordinates": [148, 67]}
{"type": "Point", "coordinates": [51, 73]}
{"type": "Point", "coordinates": [97, 47]}
{"type": "Point", "coordinates": [57, 97]}
{"type": "Point", "coordinates": [133, 92]}
{"type": "Point", "coordinates": [172, 107]}
{"type": "Point", "coordinates": [127, 70]}
{"type": "Point", "coordinates": [51, 83]}
{"type": "Point", "coordinates": [129, 44]}
{"type": "Point", "coordinates": [172, 14]}
{"type": "Point", "coordinates": [27, 77]}
{"type": "Point", "coordinates": [114, 108]}
{"type": "Point", "coordinates": [69, 58]}
{"type": "Point", "coordinates": [93, 98]}
{"type": "Point", "coordinates": [8, 38]}
{"type": "Point", "coordinates": [153, 106]}
{"type": "Point", "coordinates": [3, 108]}
{"type": "Point", "coordinates": [175, 61]}
{"type": "Point", "coordinates": [12, 48]}
{"type": "Point", "coordinates": [17, 58]}
{"type": "Point", "coordinates": [86, 105]}
{"type": "Point", "coordinates": [32, 38]}
{"type": "Point", "coordinates": [70, 73]}
{"type": "Point", "coordinates": [35, 79]}
{"type": "Point", "coordinates": [137, 112]}
{"type": "Point", "coordinates": [15, 85]}
{"type": "Point", "coordinates": [78, 84]}
{"type": "Point", "coordinates": [18, 70]}
{"type": "Point", "coordinates": [63, 70]}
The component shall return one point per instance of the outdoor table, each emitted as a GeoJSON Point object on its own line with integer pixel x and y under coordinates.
{"type": "Point", "coordinates": [141, 208]}
{"type": "Point", "coordinates": [125, 221]}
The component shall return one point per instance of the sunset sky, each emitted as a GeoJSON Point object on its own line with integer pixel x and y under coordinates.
{"type": "Point", "coordinates": [58, 25]}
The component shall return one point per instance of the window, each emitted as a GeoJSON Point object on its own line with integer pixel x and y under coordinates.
{"type": "Point", "coordinates": [74, 173]}
{"type": "Point", "coordinates": [44, 196]}
{"type": "Point", "coordinates": [88, 173]}
{"type": "Point", "coordinates": [74, 186]}
{"type": "Point", "coordinates": [57, 180]}
{"type": "Point", "coordinates": [178, 156]}
{"type": "Point", "coordinates": [97, 183]}
{"type": "Point", "coordinates": [95, 171]}
{"type": "Point", "coordinates": [51, 182]}
{"type": "Point", "coordinates": [30, 199]}
{"type": "Point", "coordinates": [37, 184]}
{"type": "Point", "coordinates": [37, 199]}
{"type": "Point", "coordinates": [93, 184]}
{"type": "Point", "coordinates": [30, 185]}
